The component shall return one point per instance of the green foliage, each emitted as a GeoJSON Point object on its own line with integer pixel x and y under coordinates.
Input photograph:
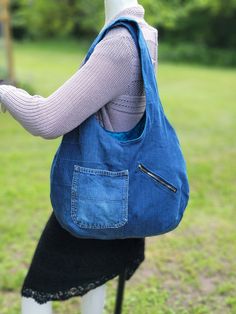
{"type": "Point", "coordinates": [43, 18]}
{"type": "Point", "coordinates": [89, 18]}
{"type": "Point", "coordinates": [60, 18]}
{"type": "Point", "coordinates": [196, 53]}
{"type": "Point", "coordinates": [3, 73]}
{"type": "Point", "coordinates": [208, 22]}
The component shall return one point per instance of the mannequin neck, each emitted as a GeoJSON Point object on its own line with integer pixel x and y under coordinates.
{"type": "Point", "coordinates": [113, 7]}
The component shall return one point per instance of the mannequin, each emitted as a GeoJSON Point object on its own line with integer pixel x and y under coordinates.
{"type": "Point", "coordinates": [113, 7]}
{"type": "Point", "coordinates": [93, 301]}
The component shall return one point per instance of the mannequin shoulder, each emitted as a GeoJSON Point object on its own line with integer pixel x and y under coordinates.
{"type": "Point", "coordinates": [117, 31]}
{"type": "Point", "coordinates": [120, 37]}
{"type": "Point", "coordinates": [121, 33]}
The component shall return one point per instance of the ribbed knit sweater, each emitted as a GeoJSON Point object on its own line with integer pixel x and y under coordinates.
{"type": "Point", "coordinates": [108, 84]}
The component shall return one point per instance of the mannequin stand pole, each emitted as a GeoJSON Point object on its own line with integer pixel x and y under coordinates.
{"type": "Point", "coordinates": [120, 292]}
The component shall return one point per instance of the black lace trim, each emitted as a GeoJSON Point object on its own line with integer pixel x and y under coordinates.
{"type": "Point", "coordinates": [43, 297]}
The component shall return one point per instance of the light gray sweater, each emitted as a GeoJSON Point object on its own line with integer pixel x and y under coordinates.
{"type": "Point", "coordinates": [108, 84]}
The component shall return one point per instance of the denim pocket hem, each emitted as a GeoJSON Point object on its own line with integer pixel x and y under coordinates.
{"type": "Point", "coordinates": [99, 171]}
{"type": "Point", "coordinates": [119, 206]}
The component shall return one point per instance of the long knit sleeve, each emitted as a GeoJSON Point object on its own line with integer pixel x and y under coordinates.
{"type": "Point", "coordinates": [104, 76]}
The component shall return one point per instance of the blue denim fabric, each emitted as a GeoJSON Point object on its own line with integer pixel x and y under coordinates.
{"type": "Point", "coordinates": [114, 185]}
{"type": "Point", "coordinates": [98, 188]}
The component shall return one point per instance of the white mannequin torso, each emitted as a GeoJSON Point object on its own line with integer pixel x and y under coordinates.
{"type": "Point", "coordinates": [113, 7]}
{"type": "Point", "coordinates": [93, 301]}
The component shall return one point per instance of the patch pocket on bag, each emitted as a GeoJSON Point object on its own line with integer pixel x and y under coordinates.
{"type": "Point", "coordinates": [99, 197]}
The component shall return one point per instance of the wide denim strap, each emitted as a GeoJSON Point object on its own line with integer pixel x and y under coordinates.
{"type": "Point", "coordinates": [153, 102]}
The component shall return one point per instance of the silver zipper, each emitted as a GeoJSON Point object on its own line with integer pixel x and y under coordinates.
{"type": "Point", "coordinates": [157, 178]}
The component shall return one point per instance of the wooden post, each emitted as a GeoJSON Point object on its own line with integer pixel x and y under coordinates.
{"type": "Point", "coordinates": [5, 20]}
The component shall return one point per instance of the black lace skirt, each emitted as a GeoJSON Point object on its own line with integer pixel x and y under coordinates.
{"type": "Point", "coordinates": [64, 266]}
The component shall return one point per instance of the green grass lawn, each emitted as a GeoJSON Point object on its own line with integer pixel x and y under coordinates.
{"type": "Point", "coordinates": [189, 270]}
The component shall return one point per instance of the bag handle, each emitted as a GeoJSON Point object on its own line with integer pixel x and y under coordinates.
{"type": "Point", "coordinates": [153, 103]}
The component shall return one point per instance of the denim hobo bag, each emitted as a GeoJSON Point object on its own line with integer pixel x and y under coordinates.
{"type": "Point", "coordinates": [114, 185]}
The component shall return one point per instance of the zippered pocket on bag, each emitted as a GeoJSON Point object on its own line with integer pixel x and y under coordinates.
{"type": "Point", "coordinates": [157, 178]}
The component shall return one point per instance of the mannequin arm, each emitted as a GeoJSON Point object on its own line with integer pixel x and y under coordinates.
{"type": "Point", "coordinates": [105, 75]}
